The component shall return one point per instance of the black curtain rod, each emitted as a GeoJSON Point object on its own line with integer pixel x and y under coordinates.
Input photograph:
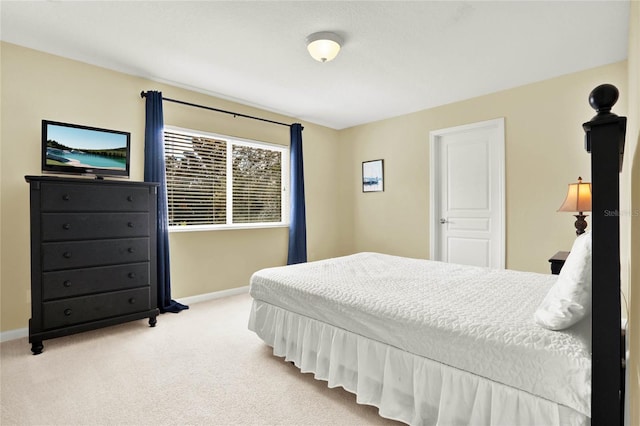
{"type": "Point", "coordinates": [235, 114]}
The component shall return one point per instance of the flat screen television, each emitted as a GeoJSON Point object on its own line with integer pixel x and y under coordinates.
{"type": "Point", "coordinates": [84, 150]}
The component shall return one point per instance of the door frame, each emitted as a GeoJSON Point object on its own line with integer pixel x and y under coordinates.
{"type": "Point", "coordinates": [435, 138]}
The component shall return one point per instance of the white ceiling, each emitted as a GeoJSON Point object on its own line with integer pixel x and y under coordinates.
{"type": "Point", "coordinates": [398, 56]}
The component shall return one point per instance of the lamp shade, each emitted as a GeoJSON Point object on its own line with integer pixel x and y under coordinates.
{"type": "Point", "coordinates": [324, 46]}
{"type": "Point", "coordinates": [578, 197]}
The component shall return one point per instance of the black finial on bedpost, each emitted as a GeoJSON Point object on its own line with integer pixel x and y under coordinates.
{"type": "Point", "coordinates": [602, 99]}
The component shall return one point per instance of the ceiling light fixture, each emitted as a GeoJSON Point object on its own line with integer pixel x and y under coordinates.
{"type": "Point", "coordinates": [324, 46]}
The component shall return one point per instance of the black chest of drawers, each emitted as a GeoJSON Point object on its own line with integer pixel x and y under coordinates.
{"type": "Point", "coordinates": [93, 255]}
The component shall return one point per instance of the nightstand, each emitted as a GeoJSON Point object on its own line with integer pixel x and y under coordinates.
{"type": "Point", "coordinates": [557, 261]}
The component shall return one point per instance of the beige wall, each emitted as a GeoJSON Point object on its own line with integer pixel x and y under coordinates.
{"type": "Point", "coordinates": [632, 175]}
{"type": "Point", "coordinates": [38, 86]}
{"type": "Point", "coordinates": [544, 152]}
{"type": "Point", "coordinates": [341, 219]}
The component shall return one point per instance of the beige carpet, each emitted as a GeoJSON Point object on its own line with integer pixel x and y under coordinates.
{"type": "Point", "coordinates": [201, 366]}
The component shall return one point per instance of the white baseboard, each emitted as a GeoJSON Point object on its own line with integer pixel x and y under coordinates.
{"type": "Point", "coordinates": [14, 334]}
{"type": "Point", "coordinates": [24, 332]}
{"type": "Point", "coordinates": [214, 295]}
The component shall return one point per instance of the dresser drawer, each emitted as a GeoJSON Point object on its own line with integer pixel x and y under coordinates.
{"type": "Point", "coordinates": [76, 310]}
{"type": "Point", "coordinates": [78, 282]}
{"type": "Point", "coordinates": [70, 197]}
{"type": "Point", "coordinates": [92, 226]}
{"type": "Point", "coordinates": [82, 254]}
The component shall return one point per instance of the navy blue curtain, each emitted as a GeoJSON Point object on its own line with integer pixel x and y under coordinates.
{"type": "Point", "coordinates": [298, 225]}
{"type": "Point", "coordinates": [154, 171]}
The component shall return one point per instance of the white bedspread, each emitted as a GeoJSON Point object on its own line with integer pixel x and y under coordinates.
{"type": "Point", "coordinates": [474, 319]}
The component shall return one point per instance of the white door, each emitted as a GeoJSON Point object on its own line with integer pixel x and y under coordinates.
{"type": "Point", "coordinates": [467, 194]}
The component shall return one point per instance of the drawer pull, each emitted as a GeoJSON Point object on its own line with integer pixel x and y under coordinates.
{"type": "Point", "coordinates": [66, 255]}
{"type": "Point", "coordinates": [67, 283]}
{"type": "Point", "coordinates": [130, 224]}
{"type": "Point", "coordinates": [131, 274]}
{"type": "Point", "coordinates": [130, 250]}
{"type": "Point", "coordinates": [66, 226]}
{"type": "Point", "coordinates": [129, 197]}
{"type": "Point", "coordinates": [132, 300]}
{"type": "Point", "coordinates": [67, 312]}
{"type": "Point", "coordinates": [66, 197]}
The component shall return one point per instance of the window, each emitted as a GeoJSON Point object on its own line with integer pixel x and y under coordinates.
{"type": "Point", "coordinates": [221, 182]}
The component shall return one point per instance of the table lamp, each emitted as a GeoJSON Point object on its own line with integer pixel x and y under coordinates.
{"type": "Point", "coordinates": [578, 200]}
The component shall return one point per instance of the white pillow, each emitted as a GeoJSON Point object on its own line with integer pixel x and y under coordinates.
{"type": "Point", "coordinates": [569, 300]}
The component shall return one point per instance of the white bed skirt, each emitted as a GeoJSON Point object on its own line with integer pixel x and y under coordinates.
{"type": "Point", "coordinates": [404, 386]}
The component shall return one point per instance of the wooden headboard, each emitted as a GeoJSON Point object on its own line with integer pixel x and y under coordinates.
{"type": "Point", "coordinates": [604, 140]}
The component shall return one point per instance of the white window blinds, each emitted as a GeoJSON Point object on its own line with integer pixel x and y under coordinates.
{"type": "Point", "coordinates": [257, 185]}
{"type": "Point", "coordinates": [222, 181]}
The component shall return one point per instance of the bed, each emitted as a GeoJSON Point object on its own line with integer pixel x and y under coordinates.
{"type": "Point", "coordinates": [436, 343]}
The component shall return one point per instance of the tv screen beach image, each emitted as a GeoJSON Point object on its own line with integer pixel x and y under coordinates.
{"type": "Point", "coordinates": [87, 148]}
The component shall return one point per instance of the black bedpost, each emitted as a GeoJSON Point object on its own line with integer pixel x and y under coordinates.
{"type": "Point", "coordinates": [605, 141]}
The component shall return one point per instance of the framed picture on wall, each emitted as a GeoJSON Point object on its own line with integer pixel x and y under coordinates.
{"type": "Point", "coordinates": [373, 176]}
